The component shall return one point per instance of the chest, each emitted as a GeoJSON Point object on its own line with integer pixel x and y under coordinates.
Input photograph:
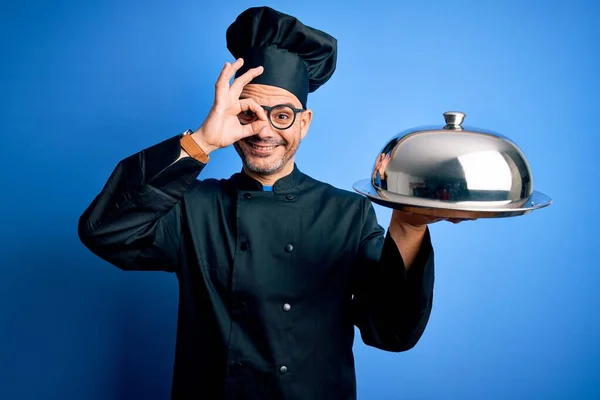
{"type": "Point", "coordinates": [275, 245]}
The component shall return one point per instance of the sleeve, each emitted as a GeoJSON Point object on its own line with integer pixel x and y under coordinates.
{"type": "Point", "coordinates": [134, 222]}
{"type": "Point", "coordinates": [391, 305]}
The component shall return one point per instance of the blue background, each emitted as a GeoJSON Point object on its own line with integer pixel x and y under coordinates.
{"type": "Point", "coordinates": [84, 84]}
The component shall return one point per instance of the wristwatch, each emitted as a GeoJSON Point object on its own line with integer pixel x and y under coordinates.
{"type": "Point", "coordinates": [189, 145]}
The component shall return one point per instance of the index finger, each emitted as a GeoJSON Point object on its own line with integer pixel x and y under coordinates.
{"type": "Point", "coordinates": [239, 83]}
{"type": "Point", "coordinates": [228, 71]}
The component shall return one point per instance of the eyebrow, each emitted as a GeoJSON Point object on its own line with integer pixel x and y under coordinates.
{"type": "Point", "coordinates": [243, 97]}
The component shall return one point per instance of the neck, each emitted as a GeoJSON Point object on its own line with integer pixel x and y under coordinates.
{"type": "Point", "coordinates": [270, 179]}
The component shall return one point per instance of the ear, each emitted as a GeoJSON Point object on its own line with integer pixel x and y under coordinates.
{"type": "Point", "coordinates": [305, 121]}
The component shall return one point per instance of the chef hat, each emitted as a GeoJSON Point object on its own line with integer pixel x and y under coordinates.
{"type": "Point", "coordinates": [295, 57]}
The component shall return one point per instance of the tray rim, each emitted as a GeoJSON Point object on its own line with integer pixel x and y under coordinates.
{"type": "Point", "coordinates": [366, 188]}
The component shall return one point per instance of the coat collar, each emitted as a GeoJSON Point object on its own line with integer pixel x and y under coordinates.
{"type": "Point", "coordinates": [243, 181]}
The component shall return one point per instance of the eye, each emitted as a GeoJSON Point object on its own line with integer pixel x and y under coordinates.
{"type": "Point", "coordinates": [282, 113]}
{"type": "Point", "coordinates": [246, 116]}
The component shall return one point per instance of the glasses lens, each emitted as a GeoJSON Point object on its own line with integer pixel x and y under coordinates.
{"type": "Point", "coordinates": [282, 117]}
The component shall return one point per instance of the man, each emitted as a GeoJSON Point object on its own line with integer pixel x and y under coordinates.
{"type": "Point", "coordinates": [274, 267]}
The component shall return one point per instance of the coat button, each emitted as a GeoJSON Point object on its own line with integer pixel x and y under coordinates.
{"type": "Point", "coordinates": [289, 197]}
{"type": "Point", "coordinates": [244, 246]}
{"type": "Point", "coordinates": [286, 307]}
{"type": "Point", "coordinates": [248, 195]}
{"type": "Point", "coordinates": [288, 248]}
{"type": "Point", "coordinates": [283, 370]}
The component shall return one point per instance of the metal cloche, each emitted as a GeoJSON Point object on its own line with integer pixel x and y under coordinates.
{"type": "Point", "coordinates": [453, 172]}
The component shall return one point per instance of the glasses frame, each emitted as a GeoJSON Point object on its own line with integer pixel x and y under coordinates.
{"type": "Point", "coordinates": [269, 109]}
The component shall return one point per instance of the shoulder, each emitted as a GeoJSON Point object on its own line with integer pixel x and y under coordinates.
{"type": "Point", "coordinates": [336, 196]}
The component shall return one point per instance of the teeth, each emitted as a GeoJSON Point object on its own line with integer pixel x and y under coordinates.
{"type": "Point", "coordinates": [265, 148]}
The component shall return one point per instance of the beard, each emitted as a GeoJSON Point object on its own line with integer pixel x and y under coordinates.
{"type": "Point", "coordinates": [264, 165]}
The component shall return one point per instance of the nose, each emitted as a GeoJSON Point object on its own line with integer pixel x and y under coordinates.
{"type": "Point", "coordinates": [264, 130]}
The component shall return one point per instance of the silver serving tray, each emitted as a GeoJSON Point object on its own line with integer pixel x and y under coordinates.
{"type": "Point", "coordinates": [453, 171]}
{"type": "Point", "coordinates": [436, 208]}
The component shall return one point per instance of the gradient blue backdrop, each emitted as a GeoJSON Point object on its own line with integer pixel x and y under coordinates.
{"type": "Point", "coordinates": [84, 84]}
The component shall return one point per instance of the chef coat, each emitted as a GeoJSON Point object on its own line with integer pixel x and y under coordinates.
{"type": "Point", "coordinates": [271, 283]}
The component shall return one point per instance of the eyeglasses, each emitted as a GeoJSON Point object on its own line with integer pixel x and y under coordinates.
{"type": "Point", "coordinates": [281, 116]}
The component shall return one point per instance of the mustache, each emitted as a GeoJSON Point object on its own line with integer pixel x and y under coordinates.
{"type": "Point", "coordinates": [261, 142]}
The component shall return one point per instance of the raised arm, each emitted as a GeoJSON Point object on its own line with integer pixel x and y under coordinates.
{"type": "Point", "coordinates": [135, 220]}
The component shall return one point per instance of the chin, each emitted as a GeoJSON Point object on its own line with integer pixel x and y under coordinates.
{"type": "Point", "coordinates": [263, 166]}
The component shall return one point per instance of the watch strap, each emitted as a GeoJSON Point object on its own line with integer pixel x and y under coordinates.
{"type": "Point", "coordinates": [193, 149]}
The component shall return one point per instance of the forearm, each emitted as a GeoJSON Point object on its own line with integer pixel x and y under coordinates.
{"type": "Point", "coordinates": [392, 302]}
{"type": "Point", "coordinates": [124, 219]}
